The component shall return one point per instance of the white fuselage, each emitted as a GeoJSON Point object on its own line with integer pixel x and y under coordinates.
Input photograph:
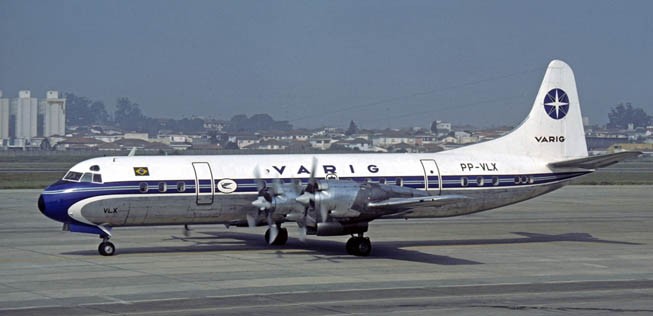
{"type": "Point", "coordinates": [221, 189]}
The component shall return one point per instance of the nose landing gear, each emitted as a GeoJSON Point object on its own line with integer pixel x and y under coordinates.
{"type": "Point", "coordinates": [106, 248]}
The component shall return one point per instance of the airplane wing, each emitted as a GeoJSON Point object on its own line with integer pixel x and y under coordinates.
{"type": "Point", "coordinates": [595, 162]}
{"type": "Point", "coordinates": [415, 202]}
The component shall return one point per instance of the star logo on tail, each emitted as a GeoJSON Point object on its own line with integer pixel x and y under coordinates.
{"type": "Point", "coordinates": [556, 104]}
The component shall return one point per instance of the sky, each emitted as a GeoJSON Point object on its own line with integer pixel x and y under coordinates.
{"type": "Point", "coordinates": [383, 64]}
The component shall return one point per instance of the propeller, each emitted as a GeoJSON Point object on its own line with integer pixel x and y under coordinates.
{"type": "Point", "coordinates": [264, 203]}
{"type": "Point", "coordinates": [311, 194]}
{"type": "Point", "coordinates": [302, 233]}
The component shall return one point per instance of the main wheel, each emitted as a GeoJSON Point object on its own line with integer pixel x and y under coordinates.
{"type": "Point", "coordinates": [364, 247]}
{"type": "Point", "coordinates": [106, 248]}
{"type": "Point", "coordinates": [351, 245]}
{"type": "Point", "coordinates": [359, 246]}
{"type": "Point", "coordinates": [282, 237]}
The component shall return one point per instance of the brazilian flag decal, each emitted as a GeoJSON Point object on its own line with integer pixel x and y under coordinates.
{"type": "Point", "coordinates": [141, 171]}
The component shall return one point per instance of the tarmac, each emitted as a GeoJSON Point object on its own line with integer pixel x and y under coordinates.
{"type": "Point", "coordinates": [582, 250]}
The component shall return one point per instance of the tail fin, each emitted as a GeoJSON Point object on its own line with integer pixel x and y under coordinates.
{"type": "Point", "coordinates": [553, 130]}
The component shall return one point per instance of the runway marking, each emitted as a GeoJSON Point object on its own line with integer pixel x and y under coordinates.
{"type": "Point", "coordinates": [162, 299]}
{"type": "Point", "coordinates": [595, 265]}
{"type": "Point", "coordinates": [117, 300]}
{"type": "Point", "coordinates": [28, 307]}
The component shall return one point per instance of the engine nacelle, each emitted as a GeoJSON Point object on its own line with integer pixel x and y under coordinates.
{"type": "Point", "coordinates": [346, 200]}
{"type": "Point", "coordinates": [337, 228]}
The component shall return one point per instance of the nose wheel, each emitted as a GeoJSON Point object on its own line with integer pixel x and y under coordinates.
{"type": "Point", "coordinates": [359, 246]}
{"type": "Point", "coordinates": [106, 248]}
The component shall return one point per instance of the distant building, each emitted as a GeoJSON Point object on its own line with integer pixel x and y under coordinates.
{"type": "Point", "coordinates": [322, 143]}
{"type": "Point", "coordinates": [443, 127]}
{"type": "Point", "coordinates": [25, 118]}
{"type": "Point", "coordinates": [388, 138]}
{"type": "Point", "coordinates": [4, 119]}
{"type": "Point", "coordinates": [51, 119]}
{"type": "Point", "coordinates": [141, 136]}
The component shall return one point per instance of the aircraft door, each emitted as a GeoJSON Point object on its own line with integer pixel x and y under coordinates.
{"type": "Point", "coordinates": [204, 186]}
{"type": "Point", "coordinates": [432, 178]}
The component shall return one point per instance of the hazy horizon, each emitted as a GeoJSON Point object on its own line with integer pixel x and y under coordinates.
{"type": "Point", "coordinates": [379, 63]}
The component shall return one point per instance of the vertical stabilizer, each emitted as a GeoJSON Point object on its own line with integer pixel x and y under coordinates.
{"type": "Point", "coordinates": [553, 130]}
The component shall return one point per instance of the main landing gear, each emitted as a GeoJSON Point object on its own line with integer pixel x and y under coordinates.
{"type": "Point", "coordinates": [280, 240]}
{"type": "Point", "coordinates": [106, 247]}
{"type": "Point", "coordinates": [359, 246]}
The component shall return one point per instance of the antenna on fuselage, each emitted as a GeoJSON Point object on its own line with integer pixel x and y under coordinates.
{"type": "Point", "coordinates": [132, 152]}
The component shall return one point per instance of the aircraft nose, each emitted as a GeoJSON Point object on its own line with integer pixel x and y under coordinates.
{"type": "Point", "coordinates": [50, 211]}
{"type": "Point", "coordinates": [41, 205]}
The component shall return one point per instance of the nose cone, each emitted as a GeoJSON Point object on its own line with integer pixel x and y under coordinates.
{"type": "Point", "coordinates": [52, 208]}
{"type": "Point", "coordinates": [41, 204]}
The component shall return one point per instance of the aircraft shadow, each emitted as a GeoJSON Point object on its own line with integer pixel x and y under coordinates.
{"type": "Point", "coordinates": [333, 251]}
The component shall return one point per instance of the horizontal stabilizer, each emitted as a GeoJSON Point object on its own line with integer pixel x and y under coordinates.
{"type": "Point", "coordinates": [595, 162]}
{"type": "Point", "coordinates": [421, 201]}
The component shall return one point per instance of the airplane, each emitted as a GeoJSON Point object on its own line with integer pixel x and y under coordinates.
{"type": "Point", "coordinates": [332, 194]}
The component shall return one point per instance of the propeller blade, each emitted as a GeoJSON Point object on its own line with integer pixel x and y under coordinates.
{"type": "Point", "coordinates": [313, 168]}
{"type": "Point", "coordinates": [274, 231]}
{"type": "Point", "coordinates": [324, 213]}
{"type": "Point", "coordinates": [302, 233]}
{"type": "Point", "coordinates": [251, 221]}
{"type": "Point", "coordinates": [297, 185]}
{"type": "Point", "coordinates": [277, 186]}
{"type": "Point", "coordinates": [260, 184]}
{"type": "Point", "coordinates": [311, 187]}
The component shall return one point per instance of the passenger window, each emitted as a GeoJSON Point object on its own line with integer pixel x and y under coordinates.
{"type": "Point", "coordinates": [86, 177]}
{"type": "Point", "coordinates": [464, 181]}
{"type": "Point", "coordinates": [163, 187]}
{"type": "Point", "coordinates": [480, 181]}
{"type": "Point", "coordinates": [142, 187]}
{"type": "Point", "coordinates": [97, 178]}
{"type": "Point", "coordinates": [517, 180]}
{"type": "Point", "coordinates": [495, 181]}
{"type": "Point", "coordinates": [181, 186]}
{"type": "Point", "coordinates": [399, 182]}
{"type": "Point", "coordinates": [382, 180]}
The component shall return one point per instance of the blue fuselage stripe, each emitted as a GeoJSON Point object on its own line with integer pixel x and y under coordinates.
{"type": "Point", "coordinates": [250, 185]}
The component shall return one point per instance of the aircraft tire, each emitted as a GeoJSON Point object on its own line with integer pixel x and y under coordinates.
{"type": "Point", "coordinates": [107, 248]}
{"type": "Point", "coordinates": [351, 244]}
{"type": "Point", "coordinates": [359, 246]}
{"type": "Point", "coordinates": [282, 237]}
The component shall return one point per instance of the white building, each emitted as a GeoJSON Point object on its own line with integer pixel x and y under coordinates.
{"type": "Point", "coordinates": [25, 118]}
{"type": "Point", "coordinates": [4, 119]}
{"type": "Point", "coordinates": [443, 126]}
{"type": "Point", "coordinates": [23, 113]}
{"type": "Point", "coordinates": [51, 115]}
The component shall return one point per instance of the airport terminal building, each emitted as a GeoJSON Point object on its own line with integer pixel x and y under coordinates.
{"type": "Point", "coordinates": [26, 121]}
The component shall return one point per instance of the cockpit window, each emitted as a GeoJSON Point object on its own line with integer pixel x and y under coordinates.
{"type": "Point", "coordinates": [72, 176]}
{"type": "Point", "coordinates": [86, 177]}
{"type": "Point", "coordinates": [83, 177]}
{"type": "Point", "coordinates": [95, 168]}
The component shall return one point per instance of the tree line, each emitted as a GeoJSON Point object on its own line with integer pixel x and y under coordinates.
{"type": "Point", "coordinates": [128, 116]}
